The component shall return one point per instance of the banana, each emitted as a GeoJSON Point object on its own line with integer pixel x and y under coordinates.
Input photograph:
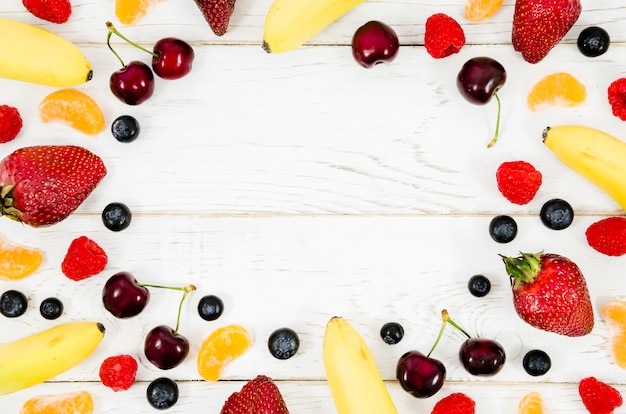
{"type": "Point", "coordinates": [291, 23]}
{"type": "Point", "coordinates": [352, 374]}
{"type": "Point", "coordinates": [594, 154]}
{"type": "Point", "coordinates": [31, 54]}
{"type": "Point", "coordinates": [46, 354]}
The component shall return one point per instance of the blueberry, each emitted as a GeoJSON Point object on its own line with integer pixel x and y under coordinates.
{"type": "Point", "coordinates": [503, 229]}
{"type": "Point", "coordinates": [51, 308]}
{"type": "Point", "coordinates": [557, 214]}
{"type": "Point", "coordinates": [392, 333]}
{"type": "Point", "coordinates": [283, 343]}
{"type": "Point", "coordinates": [162, 393]}
{"type": "Point", "coordinates": [116, 216]}
{"type": "Point", "coordinates": [536, 362]}
{"type": "Point", "coordinates": [125, 128]}
{"type": "Point", "coordinates": [593, 41]}
{"type": "Point", "coordinates": [210, 307]}
{"type": "Point", "coordinates": [13, 304]}
{"type": "Point", "coordinates": [479, 285]}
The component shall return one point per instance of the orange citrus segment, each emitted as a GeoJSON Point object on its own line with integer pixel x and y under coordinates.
{"type": "Point", "coordinates": [224, 345]}
{"type": "Point", "coordinates": [557, 89]}
{"type": "Point", "coordinates": [131, 11]}
{"type": "Point", "coordinates": [17, 262]}
{"type": "Point", "coordinates": [79, 402]}
{"type": "Point", "coordinates": [479, 10]}
{"type": "Point", "coordinates": [75, 108]}
{"type": "Point", "coordinates": [614, 313]}
{"type": "Point", "coordinates": [531, 403]}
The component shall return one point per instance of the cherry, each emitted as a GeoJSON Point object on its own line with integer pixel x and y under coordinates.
{"type": "Point", "coordinates": [479, 79]}
{"type": "Point", "coordinates": [374, 43]}
{"type": "Point", "coordinates": [123, 296]}
{"type": "Point", "coordinates": [420, 375]}
{"type": "Point", "coordinates": [133, 84]}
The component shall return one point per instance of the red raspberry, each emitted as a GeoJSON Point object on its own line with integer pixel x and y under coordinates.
{"type": "Point", "coordinates": [608, 236]}
{"type": "Point", "coordinates": [55, 11]}
{"type": "Point", "coordinates": [84, 258]}
{"type": "Point", "coordinates": [598, 397]}
{"type": "Point", "coordinates": [10, 123]}
{"type": "Point", "coordinates": [118, 372]}
{"type": "Point", "coordinates": [617, 98]}
{"type": "Point", "coordinates": [518, 181]}
{"type": "Point", "coordinates": [456, 403]}
{"type": "Point", "coordinates": [443, 36]}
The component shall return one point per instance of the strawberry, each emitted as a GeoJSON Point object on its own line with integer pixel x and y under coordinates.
{"type": "Point", "coordinates": [84, 258]}
{"type": "Point", "coordinates": [118, 372]}
{"type": "Point", "coordinates": [550, 293]}
{"type": "Point", "coordinates": [539, 25]}
{"type": "Point", "coordinates": [598, 397]}
{"type": "Point", "coordinates": [617, 98]}
{"type": "Point", "coordinates": [518, 181]}
{"type": "Point", "coordinates": [258, 396]}
{"type": "Point", "coordinates": [217, 13]}
{"type": "Point", "coordinates": [42, 185]}
{"type": "Point", "coordinates": [456, 403]}
{"type": "Point", "coordinates": [443, 36]}
{"type": "Point", "coordinates": [608, 236]}
{"type": "Point", "coordinates": [55, 11]}
{"type": "Point", "coordinates": [10, 123]}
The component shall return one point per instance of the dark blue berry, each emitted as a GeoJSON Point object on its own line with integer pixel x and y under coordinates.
{"type": "Point", "coordinates": [392, 333]}
{"type": "Point", "coordinates": [51, 308]}
{"type": "Point", "coordinates": [557, 214]}
{"type": "Point", "coordinates": [479, 285]}
{"type": "Point", "coordinates": [536, 362]}
{"type": "Point", "coordinates": [116, 216]}
{"type": "Point", "coordinates": [125, 128]}
{"type": "Point", "coordinates": [503, 229]}
{"type": "Point", "coordinates": [210, 307]}
{"type": "Point", "coordinates": [13, 304]}
{"type": "Point", "coordinates": [162, 393]}
{"type": "Point", "coordinates": [283, 343]}
{"type": "Point", "coordinates": [593, 41]}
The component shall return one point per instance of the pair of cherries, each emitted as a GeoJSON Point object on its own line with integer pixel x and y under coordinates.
{"type": "Point", "coordinates": [133, 84]}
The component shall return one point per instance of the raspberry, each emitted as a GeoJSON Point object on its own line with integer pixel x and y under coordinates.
{"type": "Point", "coordinates": [598, 397]}
{"type": "Point", "coordinates": [443, 36]}
{"type": "Point", "coordinates": [608, 236]}
{"type": "Point", "coordinates": [617, 98]}
{"type": "Point", "coordinates": [456, 403]}
{"type": "Point", "coordinates": [518, 181]}
{"type": "Point", "coordinates": [55, 11]}
{"type": "Point", "coordinates": [84, 258]}
{"type": "Point", "coordinates": [118, 372]}
{"type": "Point", "coordinates": [10, 123]}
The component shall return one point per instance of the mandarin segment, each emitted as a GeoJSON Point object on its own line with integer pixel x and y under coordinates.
{"type": "Point", "coordinates": [220, 348]}
{"type": "Point", "coordinates": [557, 89]}
{"type": "Point", "coordinates": [16, 261]}
{"type": "Point", "coordinates": [75, 108]}
{"type": "Point", "coordinates": [479, 10]}
{"type": "Point", "coordinates": [80, 402]}
{"type": "Point", "coordinates": [531, 403]}
{"type": "Point", "coordinates": [131, 11]}
{"type": "Point", "coordinates": [614, 313]}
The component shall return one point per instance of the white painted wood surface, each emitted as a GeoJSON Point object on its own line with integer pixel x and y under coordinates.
{"type": "Point", "coordinates": [301, 186]}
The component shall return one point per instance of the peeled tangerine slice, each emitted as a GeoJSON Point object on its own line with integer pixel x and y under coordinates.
{"type": "Point", "coordinates": [75, 108]}
{"type": "Point", "coordinates": [79, 402]}
{"type": "Point", "coordinates": [531, 403]}
{"type": "Point", "coordinates": [17, 262]}
{"type": "Point", "coordinates": [131, 11]}
{"type": "Point", "coordinates": [557, 89]}
{"type": "Point", "coordinates": [223, 346]}
{"type": "Point", "coordinates": [614, 313]}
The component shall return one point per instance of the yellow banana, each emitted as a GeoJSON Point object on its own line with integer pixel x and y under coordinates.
{"type": "Point", "coordinates": [31, 54]}
{"type": "Point", "coordinates": [291, 23]}
{"type": "Point", "coordinates": [352, 374]}
{"type": "Point", "coordinates": [46, 354]}
{"type": "Point", "coordinates": [594, 154]}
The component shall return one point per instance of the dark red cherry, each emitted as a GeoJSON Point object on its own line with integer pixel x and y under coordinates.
{"type": "Point", "coordinates": [123, 297]}
{"type": "Point", "coordinates": [374, 43]}
{"type": "Point", "coordinates": [133, 84]}
{"type": "Point", "coordinates": [420, 375]}
{"type": "Point", "coordinates": [165, 348]}
{"type": "Point", "coordinates": [482, 356]}
{"type": "Point", "coordinates": [480, 78]}
{"type": "Point", "coordinates": [172, 58]}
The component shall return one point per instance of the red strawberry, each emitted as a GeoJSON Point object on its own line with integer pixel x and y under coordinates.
{"type": "Point", "coordinates": [617, 98]}
{"type": "Point", "coordinates": [217, 13]}
{"type": "Point", "coordinates": [608, 236]}
{"type": "Point", "coordinates": [518, 181]}
{"type": "Point", "coordinates": [258, 396]}
{"type": "Point", "coordinates": [456, 403]}
{"type": "Point", "coordinates": [598, 397]}
{"type": "Point", "coordinates": [443, 36]}
{"type": "Point", "coordinates": [550, 293]}
{"type": "Point", "coordinates": [10, 123]}
{"type": "Point", "coordinates": [42, 185]}
{"type": "Point", "coordinates": [118, 372]}
{"type": "Point", "coordinates": [84, 258]}
{"type": "Point", "coordinates": [55, 11]}
{"type": "Point", "coordinates": [539, 25]}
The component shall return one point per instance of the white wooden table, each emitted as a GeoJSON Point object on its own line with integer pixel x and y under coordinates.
{"type": "Point", "coordinates": [301, 186]}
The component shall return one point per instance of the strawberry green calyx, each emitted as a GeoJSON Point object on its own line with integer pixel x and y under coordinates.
{"type": "Point", "coordinates": [6, 203]}
{"type": "Point", "coordinates": [523, 268]}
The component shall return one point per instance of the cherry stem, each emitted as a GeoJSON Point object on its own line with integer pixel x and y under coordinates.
{"type": "Point", "coordinates": [445, 318]}
{"type": "Point", "coordinates": [113, 30]}
{"type": "Point", "coordinates": [495, 136]}
{"type": "Point", "coordinates": [184, 289]}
